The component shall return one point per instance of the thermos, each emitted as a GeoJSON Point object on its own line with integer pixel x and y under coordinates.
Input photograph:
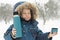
{"type": "Point", "coordinates": [17, 24]}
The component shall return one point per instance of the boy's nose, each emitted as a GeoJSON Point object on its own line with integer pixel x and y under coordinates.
{"type": "Point", "coordinates": [27, 14]}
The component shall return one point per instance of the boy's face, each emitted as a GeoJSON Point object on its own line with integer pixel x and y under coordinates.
{"type": "Point", "coordinates": [26, 14]}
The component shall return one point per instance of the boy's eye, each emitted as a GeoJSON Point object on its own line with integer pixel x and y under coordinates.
{"type": "Point", "coordinates": [26, 13]}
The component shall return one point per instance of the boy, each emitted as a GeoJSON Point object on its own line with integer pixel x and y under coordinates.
{"type": "Point", "coordinates": [28, 14]}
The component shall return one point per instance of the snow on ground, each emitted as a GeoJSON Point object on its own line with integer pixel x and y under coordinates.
{"type": "Point", "coordinates": [45, 28]}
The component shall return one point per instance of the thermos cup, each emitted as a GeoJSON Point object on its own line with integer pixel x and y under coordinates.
{"type": "Point", "coordinates": [54, 30]}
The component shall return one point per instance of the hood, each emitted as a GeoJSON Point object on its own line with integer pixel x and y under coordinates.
{"type": "Point", "coordinates": [21, 5]}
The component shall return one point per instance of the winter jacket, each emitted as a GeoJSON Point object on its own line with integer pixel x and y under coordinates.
{"type": "Point", "coordinates": [30, 31]}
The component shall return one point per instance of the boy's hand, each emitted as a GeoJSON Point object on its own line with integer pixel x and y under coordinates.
{"type": "Point", "coordinates": [13, 32]}
{"type": "Point", "coordinates": [51, 35]}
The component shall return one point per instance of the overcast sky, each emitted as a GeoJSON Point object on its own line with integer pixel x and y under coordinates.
{"type": "Point", "coordinates": [14, 1]}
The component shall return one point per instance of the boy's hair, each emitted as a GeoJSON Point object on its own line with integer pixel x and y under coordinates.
{"type": "Point", "coordinates": [26, 5]}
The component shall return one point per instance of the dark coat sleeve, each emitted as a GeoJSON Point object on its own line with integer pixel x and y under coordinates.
{"type": "Point", "coordinates": [7, 34]}
{"type": "Point", "coordinates": [40, 34]}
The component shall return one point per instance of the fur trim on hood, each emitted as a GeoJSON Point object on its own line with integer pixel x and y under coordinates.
{"type": "Point", "coordinates": [27, 5]}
